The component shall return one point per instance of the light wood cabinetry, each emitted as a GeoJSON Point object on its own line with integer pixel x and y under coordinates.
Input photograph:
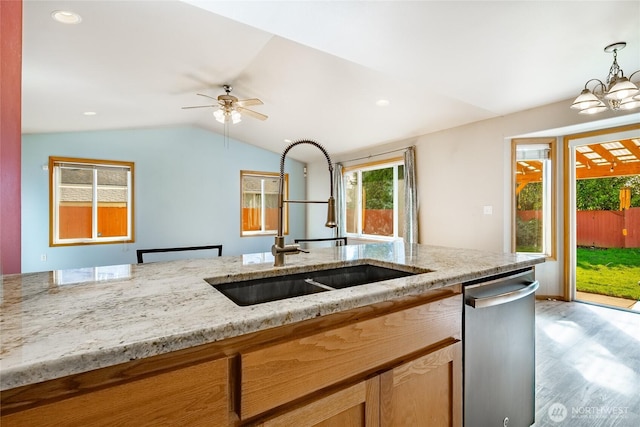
{"type": "Point", "coordinates": [393, 364]}
{"type": "Point", "coordinates": [195, 396]}
{"type": "Point", "coordinates": [357, 405]}
{"type": "Point", "coordinates": [411, 359]}
{"type": "Point", "coordinates": [425, 391]}
{"type": "Point", "coordinates": [280, 373]}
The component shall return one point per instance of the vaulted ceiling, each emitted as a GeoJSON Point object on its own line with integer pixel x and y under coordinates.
{"type": "Point", "coordinates": [319, 66]}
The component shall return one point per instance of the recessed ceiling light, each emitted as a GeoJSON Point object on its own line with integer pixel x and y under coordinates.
{"type": "Point", "coordinates": [66, 17]}
{"type": "Point", "coordinates": [382, 102]}
{"type": "Point", "coordinates": [89, 113]}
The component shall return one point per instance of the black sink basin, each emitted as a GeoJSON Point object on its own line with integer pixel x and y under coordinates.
{"type": "Point", "coordinates": [256, 291]}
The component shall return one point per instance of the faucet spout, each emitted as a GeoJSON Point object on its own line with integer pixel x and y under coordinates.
{"type": "Point", "coordinates": [279, 249]}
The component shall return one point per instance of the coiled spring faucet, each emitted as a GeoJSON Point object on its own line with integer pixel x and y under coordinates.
{"type": "Point", "coordinates": [279, 249]}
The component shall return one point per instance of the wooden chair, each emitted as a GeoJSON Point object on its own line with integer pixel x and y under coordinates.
{"type": "Point", "coordinates": [140, 252]}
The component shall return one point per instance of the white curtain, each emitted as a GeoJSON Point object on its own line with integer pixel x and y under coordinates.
{"type": "Point", "coordinates": [410, 197]}
{"type": "Point", "coordinates": [338, 192]}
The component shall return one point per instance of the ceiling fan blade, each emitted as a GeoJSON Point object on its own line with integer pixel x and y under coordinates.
{"type": "Point", "coordinates": [199, 106]}
{"type": "Point", "coordinates": [248, 102]}
{"type": "Point", "coordinates": [207, 96]}
{"type": "Point", "coordinates": [252, 113]}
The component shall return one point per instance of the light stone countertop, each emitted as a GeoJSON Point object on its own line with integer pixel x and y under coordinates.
{"type": "Point", "coordinates": [66, 322]}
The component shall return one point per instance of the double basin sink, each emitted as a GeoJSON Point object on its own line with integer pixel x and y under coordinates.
{"type": "Point", "coordinates": [267, 289]}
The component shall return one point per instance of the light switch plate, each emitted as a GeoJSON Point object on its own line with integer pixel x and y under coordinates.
{"type": "Point", "coordinates": [488, 210]}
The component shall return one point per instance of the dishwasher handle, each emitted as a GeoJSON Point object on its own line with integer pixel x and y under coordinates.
{"type": "Point", "coordinates": [503, 298]}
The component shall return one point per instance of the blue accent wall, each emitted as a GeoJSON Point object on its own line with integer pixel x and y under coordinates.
{"type": "Point", "coordinates": [187, 192]}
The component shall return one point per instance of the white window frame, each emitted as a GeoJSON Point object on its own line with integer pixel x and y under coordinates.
{"type": "Point", "coordinates": [542, 150]}
{"type": "Point", "coordinates": [395, 163]}
{"type": "Point", "coordinates": [263, 231]}
{"type": "Point", "coordinates": [55, 164]}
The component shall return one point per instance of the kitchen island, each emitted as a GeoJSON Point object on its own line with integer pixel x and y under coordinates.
{"type": "Point", "coordinates": [69, 335]}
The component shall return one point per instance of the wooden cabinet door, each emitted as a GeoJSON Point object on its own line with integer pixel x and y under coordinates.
{"type": "Point", "coordinates": [426, 391]}
{"type": "Point", "coordinates": [354, 406]}
{"type": "Point", "coordinates": [195, 396]}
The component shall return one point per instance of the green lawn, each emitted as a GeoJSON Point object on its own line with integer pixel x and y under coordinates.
{"type": "Point", "coordinates": [614, 272]}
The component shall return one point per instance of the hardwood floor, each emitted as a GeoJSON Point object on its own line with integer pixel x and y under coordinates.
{"type": "Point", "coordinates": [587, 365]}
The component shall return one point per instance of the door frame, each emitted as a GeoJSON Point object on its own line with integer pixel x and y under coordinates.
{"type": "Point", "coordinates": [569, 189]}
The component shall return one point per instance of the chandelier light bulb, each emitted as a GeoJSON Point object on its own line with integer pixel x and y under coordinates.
{"type": "Point", "coordinates": [585, 100]}
{"type": "Point", "coordinates": [630, 104]}
{"type": "Point", "coordinates": [621, 88]}
{"type": "Point", "coordinates": [594, 110]}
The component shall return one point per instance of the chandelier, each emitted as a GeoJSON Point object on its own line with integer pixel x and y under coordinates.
{"type": "Point", "coordinates": [617, 93]}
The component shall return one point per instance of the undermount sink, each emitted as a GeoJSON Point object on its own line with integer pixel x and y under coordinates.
{"type": "Point", "coordinates": [257, 291]}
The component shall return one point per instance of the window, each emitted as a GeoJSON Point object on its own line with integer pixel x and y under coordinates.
{"type": "Point", "coordinates": [374, 200]}
{"type": "Point", "coordinates": [259, 203]}
{"type": "Point", "coordinates": [533, 202]}
{"type": "Point", "coordinates": [90, 201]}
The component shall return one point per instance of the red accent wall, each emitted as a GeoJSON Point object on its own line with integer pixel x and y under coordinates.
{"type": "Point", "coordinates": [10, 134]}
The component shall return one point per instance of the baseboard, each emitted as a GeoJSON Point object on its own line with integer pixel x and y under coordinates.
{"type": "Point", "coordinates": [551, 298]}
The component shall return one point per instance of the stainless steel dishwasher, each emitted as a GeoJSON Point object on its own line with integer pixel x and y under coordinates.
{"type": "Point", "coordinates": [499, 350]}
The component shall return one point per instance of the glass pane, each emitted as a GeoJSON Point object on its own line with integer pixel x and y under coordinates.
{"type": "Point", "coordinates": [251, 203]}
{"type": "Point", "coordinates": [260, 203]}
{"type": "Point", "coordinates": [351, 195]}
{"type": "Point", "coordinates": [401, 201]}
{"type": "Point", "coordinates": [271, 204]}
{"type": "Point", "coordinates": [529, 206]}
{"type": "Point", "coordinates": [377, 196]}
{"type": "Point", "coordinates": [113, 202]}
{"type": "Point", "coordinates": [75, 199]}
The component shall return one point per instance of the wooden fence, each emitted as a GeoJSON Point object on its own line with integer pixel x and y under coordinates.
{"type": "Point", "coordinates": [252, 219]}
{"type": "Point", "coordinates": [375, 222]}
{"type": "Point", "coordinates": [602, 229]}
{"type": "Point", "coordinates": [75, 221]}
{"type": "Point", "coordinates": [608, 229]}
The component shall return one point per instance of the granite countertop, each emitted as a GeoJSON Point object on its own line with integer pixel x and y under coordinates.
{"type": "Point", "coordinates": [66, 322]}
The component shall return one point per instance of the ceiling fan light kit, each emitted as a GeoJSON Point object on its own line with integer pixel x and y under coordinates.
{"type": "Point", "coordinates": [230, 108]}
{"type": "Point", "coordinates": [617, 93]}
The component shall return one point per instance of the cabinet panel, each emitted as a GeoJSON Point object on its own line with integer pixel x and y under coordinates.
{"type": "Point", "coordinates": [354, 406]}
{"type": "Point", "coordinates": [195, 396]}
{"type": "Point", "coordinates": [284, 372]}
{"type": "Point", "coordinates": [425, 391]}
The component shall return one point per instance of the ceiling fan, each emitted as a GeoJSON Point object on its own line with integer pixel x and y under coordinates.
{"type": "Point", "coordinates": [231, 108]}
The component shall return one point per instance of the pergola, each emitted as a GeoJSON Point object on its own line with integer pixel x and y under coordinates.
{"type": "Point", "coordinates": [600, 160]}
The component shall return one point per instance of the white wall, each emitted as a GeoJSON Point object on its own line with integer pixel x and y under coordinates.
{"type": "Point", "coordinates": [187, 192]}
{"type": "Point", "coordinates": [461, 170]}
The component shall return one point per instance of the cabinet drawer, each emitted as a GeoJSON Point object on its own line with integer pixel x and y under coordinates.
{"type": "Point", "coordinates": [274, 375]}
